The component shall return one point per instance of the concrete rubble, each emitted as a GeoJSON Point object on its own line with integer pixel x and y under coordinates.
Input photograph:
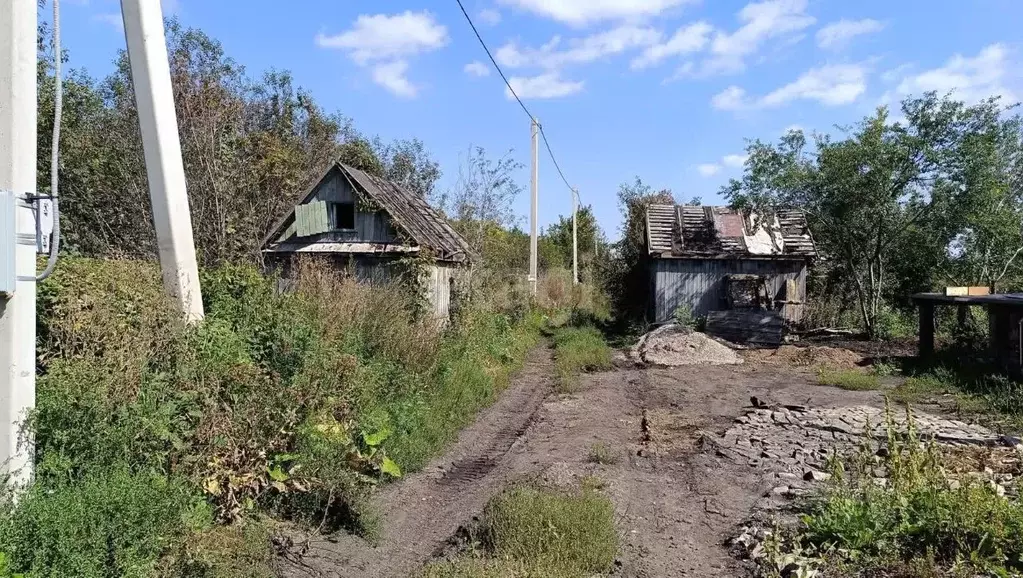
{"type": "Point", "coordinates": [795, 444]}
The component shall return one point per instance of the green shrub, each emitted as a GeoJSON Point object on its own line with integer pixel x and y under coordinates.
{"type": "Point", "coordinates": [917, 514]}
{"type": "Point", "coordinates": [684, 317]}
{"type": "Point", "coordinates": [578, 349]}
{"type": "Point", "coordinates": [298, 403]}
{"type": "Point", "coordinates": [115, 524]}
{"type": "Point", "coordinates": [848, 379]}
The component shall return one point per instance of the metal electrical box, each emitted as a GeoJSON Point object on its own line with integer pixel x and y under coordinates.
{"type": "Point", "coordinates": [8, 242]}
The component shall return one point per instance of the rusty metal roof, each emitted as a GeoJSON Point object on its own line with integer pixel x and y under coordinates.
{"type": "Point", "coordinates": [411, 214]}
{"type": "Point", "coordinates": [687, 231]}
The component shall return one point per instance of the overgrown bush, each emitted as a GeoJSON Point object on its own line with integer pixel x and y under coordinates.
{"type": "Point", "coordinates": [114, 523]}
{"type": "Point", "coordinates": [297, 404]}
{"type": "Point", "coordinates": [919, 514]}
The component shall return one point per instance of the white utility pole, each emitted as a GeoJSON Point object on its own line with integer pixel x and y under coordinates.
{"type": "Point", "coordinates": [150, 74]}
{"type": "Point", "coordinates": [575, 236]}
{"type": "Point", "coordinates": [18, 142]}
{"type": "Point", "coordinates": [533, 185]}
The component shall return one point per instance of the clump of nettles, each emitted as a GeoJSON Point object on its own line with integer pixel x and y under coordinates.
{"type": "Point", "coordinates": [895, 508]}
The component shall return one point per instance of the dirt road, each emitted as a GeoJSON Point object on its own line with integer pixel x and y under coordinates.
{"type": "Point", "coordinates": [676, 501]}
{"type": "Point", "coordinates": [422, 511]}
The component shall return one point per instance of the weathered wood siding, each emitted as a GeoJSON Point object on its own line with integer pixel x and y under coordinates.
{"type": "Point", "coordinates": [370, 226]}
{"type": "Point", "coordinates": [700, 284]}
{"type": "Point", "coordinates": [438, 286]}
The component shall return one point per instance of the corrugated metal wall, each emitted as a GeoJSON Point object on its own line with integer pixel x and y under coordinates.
{"type": "Point", "coordinates": [699, 283]}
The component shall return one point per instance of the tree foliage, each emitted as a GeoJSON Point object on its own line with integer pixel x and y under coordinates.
{"type": "Point", "coordinates": [250, 148]}
{"type": "Point", "coordinates": [941, 186]}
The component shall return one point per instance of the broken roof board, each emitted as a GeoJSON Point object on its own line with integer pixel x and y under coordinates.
{"type": "Point", "coordinates": [720, 232]}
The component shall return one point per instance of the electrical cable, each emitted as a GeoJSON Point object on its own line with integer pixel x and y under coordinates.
{"type": "Point", "coordinates": [514, 94]}
{"type": "Point", "coordinates": [58, 111]}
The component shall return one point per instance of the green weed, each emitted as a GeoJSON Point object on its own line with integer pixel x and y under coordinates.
{"type": "Point", "coordinates": [918, 514]}
{"type": "Point", "coordinates": [848, 379]}
{"type": "Point", "coordinates": [602, 453]}
{"type": "Point", "coordinates": [296, 404]}
{"type": "Point", "coordinates": [578, 349]}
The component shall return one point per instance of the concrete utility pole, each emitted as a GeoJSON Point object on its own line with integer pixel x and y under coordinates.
{"type": "Point", "coordinates": [533, 185]}
{"type": "Point", "coordinates": [575, 236]}
{"type": "Point", "coordinates": [18, 142]}
{"type": "Point", "coordinates": [150, 74]}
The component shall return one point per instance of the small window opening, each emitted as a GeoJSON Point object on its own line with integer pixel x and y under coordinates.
{"type": "Point", "coordinates": [342, 216]}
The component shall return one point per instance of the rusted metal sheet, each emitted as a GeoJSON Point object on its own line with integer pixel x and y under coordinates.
{"type": "Point", "coordinates": [700, 284]}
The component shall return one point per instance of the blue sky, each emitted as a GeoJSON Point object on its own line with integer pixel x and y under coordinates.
{"type": "Point", "coordinates": [662, 89]}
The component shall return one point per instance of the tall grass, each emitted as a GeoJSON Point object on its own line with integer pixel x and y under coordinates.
{"type": "Point", "coordinates": [533, 532]}
{"type": "Point", "coordinates": [293, 404]}
{"type": "Point", "coordinates": [919, 514]}
{"type": "Point", "coordinates": [578, 349]}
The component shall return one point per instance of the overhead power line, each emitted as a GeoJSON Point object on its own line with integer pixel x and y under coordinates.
{"type": "Point", "coordinates": [546, 144]}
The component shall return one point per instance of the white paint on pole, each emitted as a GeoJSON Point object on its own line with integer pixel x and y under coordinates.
{"type": "Point", "coordinates": [150, 73]}
{"type": "Point", "coordinates": [18, 143]}
{"type": "Point", "coordinates": [534, 186]}
{"type": "Point", "coordinates": [575, 236]}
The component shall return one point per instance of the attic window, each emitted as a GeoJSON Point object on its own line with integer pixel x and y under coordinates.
{"type": "Point", "coordinates": [342, 216]}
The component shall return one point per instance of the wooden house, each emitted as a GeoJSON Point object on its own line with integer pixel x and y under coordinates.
{"type": "Point", "coordinates": [714, 259]}
{"type": "Point", "coordinates": [371, 226]}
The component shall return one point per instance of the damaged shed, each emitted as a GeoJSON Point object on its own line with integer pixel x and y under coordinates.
{"type": "Point", "coordinates": [716, 259]}
{"type": "Point", "coordinates": [369, 225]}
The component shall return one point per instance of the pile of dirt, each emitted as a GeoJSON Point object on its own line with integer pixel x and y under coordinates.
{"type": "Point", "coordinates": [811, 356]}
{"type": "Point", "coordinates": [672, 346]}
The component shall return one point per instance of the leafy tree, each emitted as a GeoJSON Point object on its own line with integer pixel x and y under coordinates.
{"type": "Point", "coordinates": [942, 187]}
{"type": "Point", "coordinates": [480, 204]}
{"type": "Point", "coordinates": [556, 250]}
{"type": "Point", "coordinates": [409, 163]}
{"type": "Point", "coordinates": [623, 274]}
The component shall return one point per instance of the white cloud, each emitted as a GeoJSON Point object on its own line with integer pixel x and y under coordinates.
{"type": "Point", "coordinates": [838, 34]}
{"type": "Point", "coordinates": [383, 37]}
{"type": "Point", "coordinates": [708, 169]}
{"type": "Point", "coordinates": [112, 19]}
{"type": "Point", "coordinates": [490, 17]}
{"type": "Point", "coordinates": [546, 85]}
{"type": "Point", "coordinates": [790, 128]}
{"type": "Point", "coordinates": [761, 21]}
{"type": "Point", "coordinates": [734, 161]}
{"type": "Point", "coordinates": [970, 79]}
{"type": "Point", "coordinates": [686, 40]}
{"type": "Point", "coordinates": [556, 54]}
{"type": "Point", "coordinates": [584, 12]}
{"type": "Point", "coordinates": [731, 98]}
{"type": "Point", "coordinates": [830, 85]}
{"type": "Point", "coordinates": [384, 42]}
{"type": "Point", "coordinates": [392, 76]}
{"type": "Point", "coordinates": [477, 68]}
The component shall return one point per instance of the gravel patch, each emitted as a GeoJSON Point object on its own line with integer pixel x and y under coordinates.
{"type": "Point", "coordinates": [673, 346]}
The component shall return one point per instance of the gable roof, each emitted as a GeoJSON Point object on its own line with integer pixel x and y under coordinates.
{"type": "Point", "coordinates": [687, 231]}
{"type": "Point", "coordinates": [410, 213]}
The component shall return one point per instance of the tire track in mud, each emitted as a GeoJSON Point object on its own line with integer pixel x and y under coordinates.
{"type": "Point", "coordinates": [421, 512]}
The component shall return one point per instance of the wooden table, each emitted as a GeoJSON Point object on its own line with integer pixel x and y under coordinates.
{"type": "Point", "coordinates": [1005, 312]}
